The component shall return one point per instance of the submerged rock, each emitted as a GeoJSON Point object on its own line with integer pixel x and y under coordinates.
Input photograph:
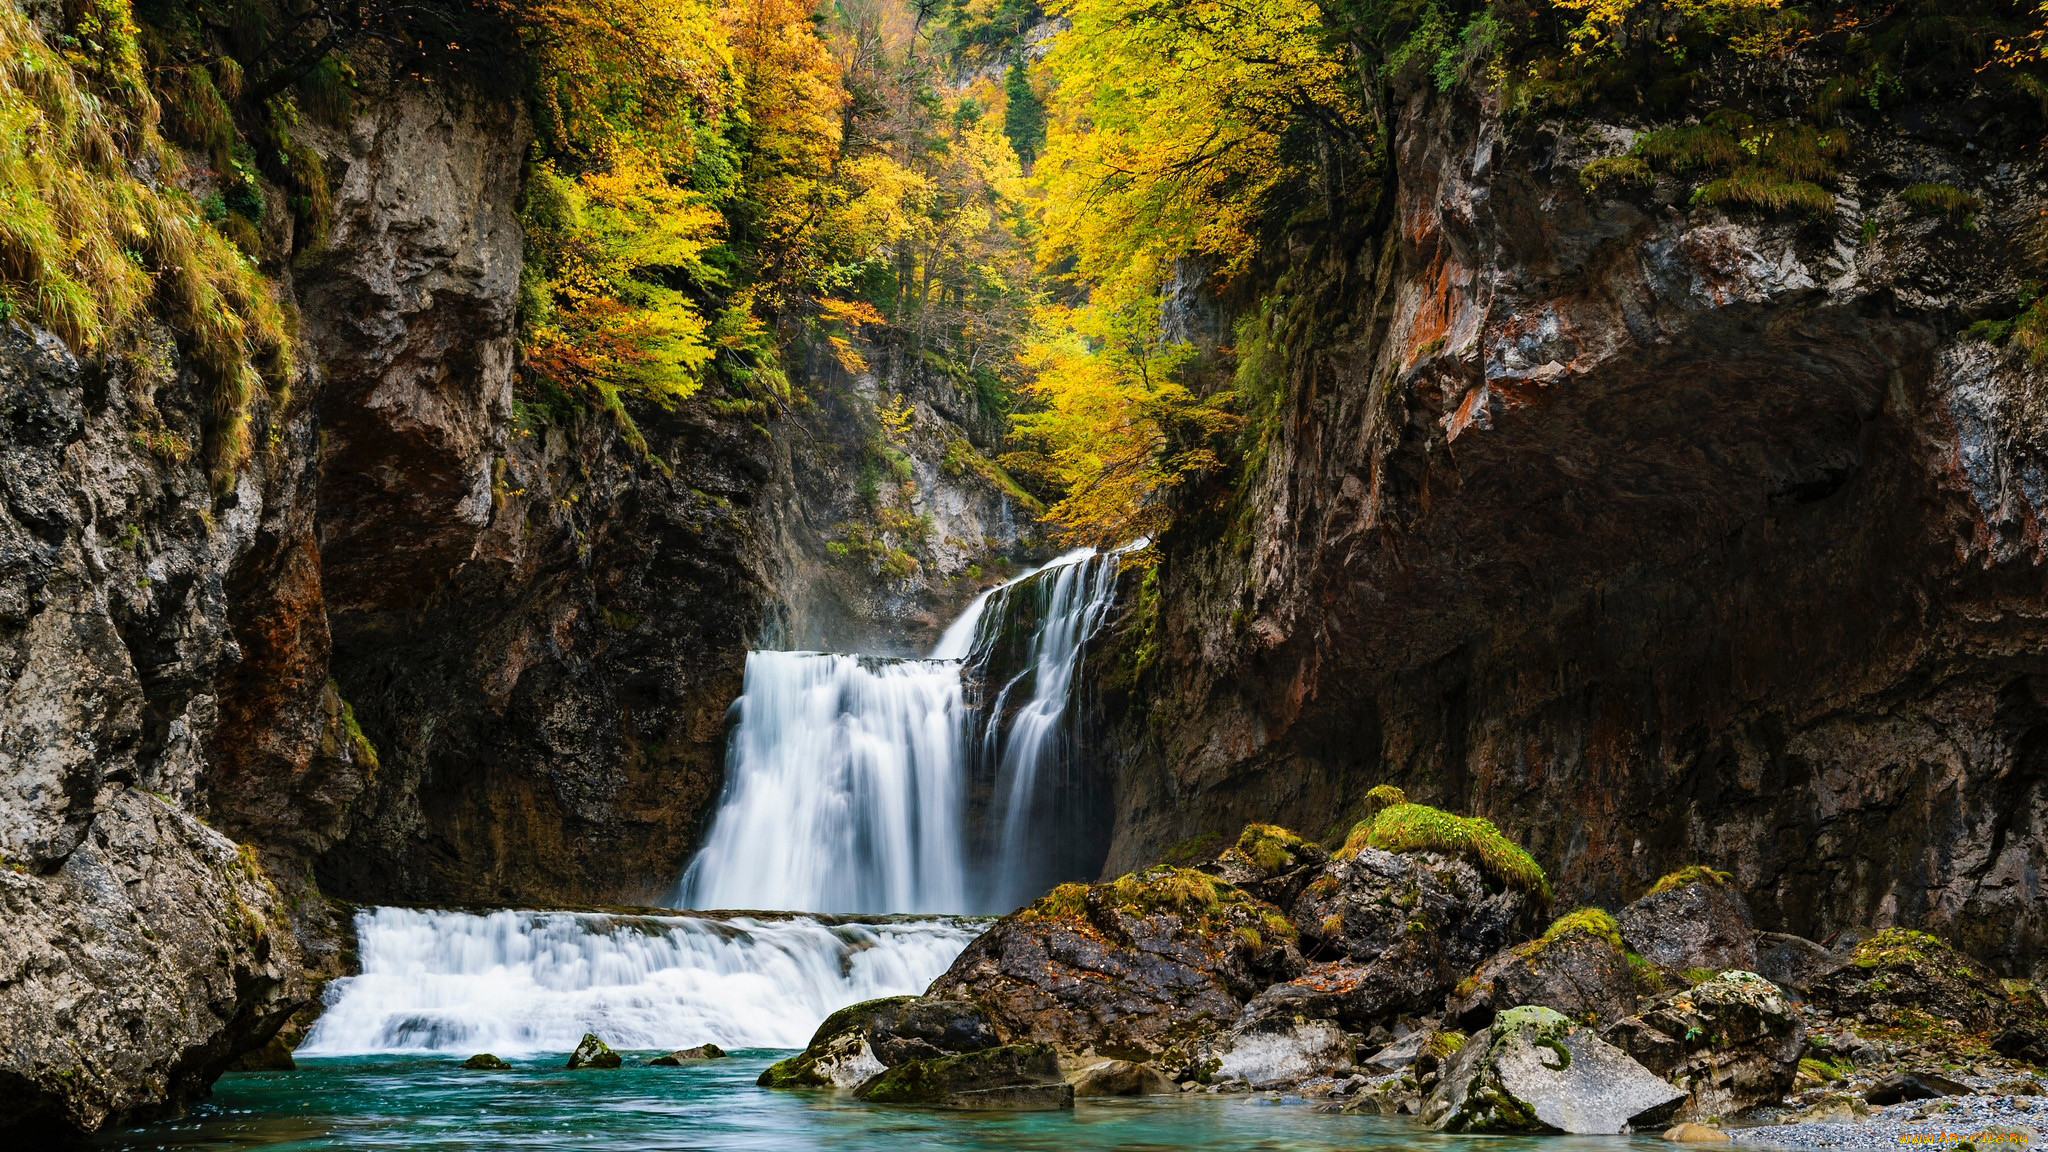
{"type": "Point", "coordinates": [485, 1062]}
{"type": "Point", "coordinates": [593, 1053]}
{"type": "Point", "coordinates": [858, 1042]}
{"type": "Point", "coordinates": [1692, 919]}
{"type": "Point", "coordinates": [688, 1055]}
{"type": "Point", "coordinates": [1014, 1078]}
{"type": "Point", "coordinates": [1733, 1042]}
{"type": "Point", "coordinates": [1533, 1070]}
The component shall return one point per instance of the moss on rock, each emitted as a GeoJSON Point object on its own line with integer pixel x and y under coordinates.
{"type": "Point", "coordinates": [1691, 874]}
{"type": "Point", "coordinates": [1421, 828]}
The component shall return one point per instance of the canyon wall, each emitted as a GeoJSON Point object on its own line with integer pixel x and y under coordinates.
{"type": "Point", "coordinates": [1655, 531]}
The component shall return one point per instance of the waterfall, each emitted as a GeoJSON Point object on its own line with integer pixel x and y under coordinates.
{"type": "Point", "coordinates": [860, 784]}
{"type": "Point", "coordinates": [525, 982]}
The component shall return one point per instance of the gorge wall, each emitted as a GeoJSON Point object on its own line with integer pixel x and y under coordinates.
{"type": "Point", "coordinates": [439, 641]}
{"type": "Point", "coordinates": [1654, 530]}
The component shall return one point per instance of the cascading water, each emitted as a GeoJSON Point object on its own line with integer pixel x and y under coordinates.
{"type": "Point", "coordinates": [521, 982]}
{"type": "Point", "coordinates": [853, 783]}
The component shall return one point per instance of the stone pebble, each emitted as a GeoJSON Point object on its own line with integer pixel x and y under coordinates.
{"type": "Point", "coordinates": [1902, 1126]}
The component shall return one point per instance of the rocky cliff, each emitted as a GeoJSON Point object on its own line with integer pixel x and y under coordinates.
{"type": "Point", "coordinates": [1651, 527]}
{"type": "Point", "coordinates": [444, 639]}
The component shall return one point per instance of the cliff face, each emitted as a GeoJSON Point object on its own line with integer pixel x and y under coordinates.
{"type": "Point", "coordinates": [441, 642]}
{"type": "Point", "coordinates": [1657, 532]}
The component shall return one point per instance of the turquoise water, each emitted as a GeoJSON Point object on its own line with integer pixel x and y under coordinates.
{"type": "Point", "coordinates": [430, 1105]}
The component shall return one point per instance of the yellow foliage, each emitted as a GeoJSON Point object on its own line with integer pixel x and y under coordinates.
{"type": "Point", "coordinates": [85, 245]}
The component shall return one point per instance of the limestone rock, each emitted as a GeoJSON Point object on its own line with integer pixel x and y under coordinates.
{"type": "Point", "coordinates": [593, 1053]}
{"type": "Point", "coordinates": [1130, 969]}
{"type": "Point", "coordinates": [1701, 921]}
{"type": "Point", "coordinates": [1690, 1133]}
{"type": "Point", "coordinates": [1533, 1070]}
{"type": "Point", "coordinates": [1120, 1078]}
{"type": "Point", "coordinates": [1274, 1050]}
{"type": "Point", "coordinates": [1398, 1095]}
{"type": "Point", "coordinates": [1733, 1042]}
{"type": "Point", "coordinates": [1835, 1108]}
{"type": "Point", "coordinates": [859, 1041]}
{"type": "Point", "coordinates": [485, 1062]}
{"type": "Point", "coordinates": [1578, 968]}
{"type": "Point", "coordinates": [1018, 1077]}
{"type": "Point", "coordinates": [1791, 962]}
{"type": "Point", "coordinates": [688, 1056]}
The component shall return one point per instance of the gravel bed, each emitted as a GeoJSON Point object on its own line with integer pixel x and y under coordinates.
{"type": "Point", "coordinates": [1904, 1126]}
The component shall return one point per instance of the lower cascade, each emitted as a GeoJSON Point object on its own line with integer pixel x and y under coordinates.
{"type": "Point", "coordinates": [860, 784]}
{"type": "Point", "coordinates": [524, 982]}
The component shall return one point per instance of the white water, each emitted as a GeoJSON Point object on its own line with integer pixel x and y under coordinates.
{"type": "Point", "coordinates": [523, 982]}
{"type": "Point", "coordinates": [847, 776]}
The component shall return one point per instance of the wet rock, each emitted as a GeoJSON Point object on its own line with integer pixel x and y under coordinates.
{"type": "Point", "coordinates": [1578, 967]}
{"type": "Point", "coordinates": [1401, 1053]}
{"type": "Point", "coordinates": [1690, 1133]}
{"type": "Point", "coordinates": [688, 1055]}
{"type": "Point", "coordinates": [1363, 907]}
{"type": "Point", "coordinates": [1692, 919]}
{"type": "Point", "coordinates": [592, 1053]}
{"type": "Point", "coordinates": [1902, 975]}
{"type": "Point", "coordinates": [1407, 978]}
{"type": "Point", "coordinates": [1533, 1070]}
{"type": "Point", "coordinates": [1132, 969]}
{"type": "Point", "coordinates": [1388, 1096]}
{"type": "Point", "coordinates": [1013, 1078]}
{"type": "Point", "coordinates": [859, 1041]}
{"type": "Point", "coordinates": [485, 1062]}
{"type": "Point", "coordinates": [1120, 1078]}
{"type": "Point", "coordinates": [1732, 1042]}
{"type": "Point", "coordinates": [274, 1056]}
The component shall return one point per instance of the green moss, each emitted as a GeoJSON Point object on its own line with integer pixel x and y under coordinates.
{"type": "Point", "coordinates": [1384, 796]}
{"type": "Point", "coordinates": [1614, 173]}
{"type": "Point", "coordinates": [1418, 828]}
{"type": "Point", "coordinates": [1692, 874]}
{"type": "Point", "coordinates": [1820, 1070]}
{"type": "Point", "coordinates": [1940, 200]}
{"type": "Point", "coordinates": [1194, 848]}
{"type": "Point", "coordinates": [1774, 166]}
{"type": "Point", "coordinates": [1266, 846]}
{"type": "Point", "coordinates": [1895, 947]}
{"type": "Point", "coordinates": [1444, 1045]}
{"type": "Point", "coordinates": [1066, 902]}
{"type": "Point", "coordinates": [1593, 922]}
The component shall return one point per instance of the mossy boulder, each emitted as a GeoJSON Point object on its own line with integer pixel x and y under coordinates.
{"type": "Point", "coordinates": [1913, 981]}
{"type": "Point", "coordinates": [1133, 969]}
{"type": "Point", "coordinates": [1399, 930]}
{"type": "Point", "coordinates": [1694, 918]}
{"type": "Point", "coordinates": [1017, 1077]}
{"type": "Point", "coordinates": [1405, 827]}
{"type": "Point", "coordinates": [1733, 1042]}
{"type": "Point", "coordinates": [1534, 1070]}
{"type": "Point", "coordinates": [593, 1053]}
{"type": "Point", "coordinates": [1578, 967]}
{"type": "Point", "coordinates": [485, 1062]}
{"type": "Point", "coordinates": [861, 1040]}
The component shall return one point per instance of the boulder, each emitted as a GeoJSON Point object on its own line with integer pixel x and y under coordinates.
{"type": "Point", "coordinates": [1534, 1070]}
{"type": "Point", "coordinates": [1120, 1078]}
{"type": "Point", "coordinates": [1899, 1087]}
{"type": "Point", "coordinates": [1270, 863]}
{"type": "Point", "coordinates": [1733, 1042]}
{"type": "Point", "coordinates": [1578, 968]}
{"type": "Point", "coordinates": [1791, 962]}
{"type": "Point", "coordinates": [1131, 969]}
{"type": "Point", "coordinates": [1367, 904]}
{"type": "Point", "coordinates": [1900, 976]}
{"type": "Point", "coordinates": [593, 1053]}
{"type": "Point", "coordinates": [1690, 1133]}
{"type": "Point", "coordinates": [858, 1042]}
{"type": "Point", "coordinates": [1692, 919]}
{"type": "Point", "coordinates": [1273, 1051]}
{"type": "Point", "coordinates": [1399, 1095]}
{"type": "Point", "coordinates": [1406, 979]}
{"type": "Point", "coordinates": [1013, 1078]}
{"type": "Point", "coordinates": [683, 1056]}
{"type": "Point", "coordinates": [485, 1062]}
